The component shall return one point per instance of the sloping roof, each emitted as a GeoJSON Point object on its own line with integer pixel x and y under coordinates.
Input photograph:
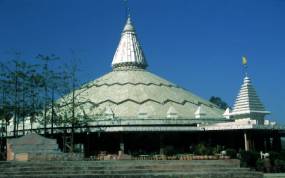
{"type": "Point", "coordinates": [247, 100]}
{"type": "Point", "coordinates": [127, 92]}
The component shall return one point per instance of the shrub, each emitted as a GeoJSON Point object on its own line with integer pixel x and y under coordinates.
{"type": "Point", "coordinates": [282, 155]}
{"type": "Point", "coordinates": [273, 156]}
{"type": "Point", "coordinates": [260, 165]}
{"type": "Point", "coordinates": [217, 149]}
{"type": "Point", "coordinates": [169, 151]}
{"type": "Point", "coordinates": [200, 149]}
{"type": "Point", "coordinates": [209, 151]}
{"type": "Point", "coordinates": [232, 153]}
{"type": "Point", "coordinates": [249, 158]}
{"type": "Point", "coordinates": [279, 165]}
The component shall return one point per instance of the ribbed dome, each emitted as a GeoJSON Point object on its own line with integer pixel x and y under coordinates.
{"type": "Point", "coordinates": [130, 92]}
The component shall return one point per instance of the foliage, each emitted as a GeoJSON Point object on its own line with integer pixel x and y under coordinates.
{"type": "Point", "coordinates": [28, 90]}
{"type": "Point", "coordinates": [248, 158]}
{"type": "Point", "coordinates": [282, 155]}
{"type": "Point", "coordinates": [219, 102]}
{"type": "Point", "coordinates": [231, 153]}
{"type": "Point", "coordinates": [201, 149]}
{"type": "Point", "coordinates": [273, 156]}
{"type": "Point", "coordinates": [279, 165]}
{"type": "Point", "coordinates": [260, 165]}
{"type": "Point", "coordinates": [217, 149]}
{"type": "Point", "coordinates": [170, 150]}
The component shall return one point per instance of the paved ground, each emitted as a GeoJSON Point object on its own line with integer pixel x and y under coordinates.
{"type": "Point", "coordinates": [127, 168]}
{"type": "Point", "coordinates": [275, 175]}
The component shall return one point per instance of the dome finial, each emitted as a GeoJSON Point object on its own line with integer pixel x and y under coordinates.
{"type": "Point", "coordinates": [129, 26]}
{"type": "Point", "coordinates": [127, 9]}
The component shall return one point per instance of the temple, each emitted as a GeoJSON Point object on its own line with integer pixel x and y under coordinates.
{"type": "Point", "coordinates": [135, 111]}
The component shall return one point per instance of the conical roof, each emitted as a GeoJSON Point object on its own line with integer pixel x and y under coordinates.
{"type": "Point", "coordinates": [129, 52]}
{"type": "Point", "coordinates": [133, 93]}
{"type": "Point", "coordinates": [247, 101]}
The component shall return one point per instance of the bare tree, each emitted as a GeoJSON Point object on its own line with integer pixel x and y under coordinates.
{"type": "Point", "coordinates": [46, 79]}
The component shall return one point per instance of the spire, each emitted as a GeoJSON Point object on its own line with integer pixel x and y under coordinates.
{"type": "Point", "coordinates": [248, 103]}
{"type": "Point", "coordinates": [129, 53]}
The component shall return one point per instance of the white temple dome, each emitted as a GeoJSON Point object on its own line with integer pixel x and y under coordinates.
{"type": "Point", "coordinates": [130, 89]}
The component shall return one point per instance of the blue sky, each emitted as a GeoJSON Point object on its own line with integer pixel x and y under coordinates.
{"type": "Point", "coordinates": [196, 44]}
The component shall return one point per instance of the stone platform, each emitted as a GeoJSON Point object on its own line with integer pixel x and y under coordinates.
{"type": "Point", "coordinates": [126, 168]}
{"type": "Point", "coordinates": [31, 146]}
{"type": "Point", "coordinates": [34, 147]}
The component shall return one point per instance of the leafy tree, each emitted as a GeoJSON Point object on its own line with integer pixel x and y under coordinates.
{"type": "Point", "coordinates": [219, 102]}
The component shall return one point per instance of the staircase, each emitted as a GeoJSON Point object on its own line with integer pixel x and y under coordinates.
{"type": "Point", "coordinates": [126, 168]}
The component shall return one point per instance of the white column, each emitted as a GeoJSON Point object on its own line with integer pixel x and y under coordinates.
{"type": "Point", "coordinates": [246, 143]}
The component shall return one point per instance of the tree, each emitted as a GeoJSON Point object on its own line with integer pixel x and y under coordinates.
{"type": "Point", "coordinates": [28, 90]}
{"type": "Point", "coordinates": [71, 83]}
{"type": "Point", "coordinates": [47, 78]}
{"type": "Point", "coordinates": [219, 102]}
{"type": "Point", "coordinates": [69, 105]}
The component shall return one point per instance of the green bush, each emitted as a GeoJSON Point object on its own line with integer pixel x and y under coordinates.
{"type": "Point", "coordinates": [217, 149]}
{"type": "Point", "coordinates": [232, 153]}
{"type": "Point", "coordinates": [279, 165]}
{"type": "Point", "coordinates": [200, 149]}
{"type": "Point", "coordinates": [273, 156]}
{"type": "Point", "coordinates": [260, 165]}
{"type": "Point", "coordinates": [169, 151]}
{"type": "Point", "coordinates": [263, 165]}
{"type": "Point", "coordinates": [249, 158]}
{"type": "Point", "coordinates": [282, 155]}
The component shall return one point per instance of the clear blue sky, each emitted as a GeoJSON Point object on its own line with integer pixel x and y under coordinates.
{"type": "Point", "coordinates": [196, 44]}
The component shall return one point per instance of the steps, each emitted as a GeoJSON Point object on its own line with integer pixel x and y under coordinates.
{"type": "Point", "coordinates": [127, 168]}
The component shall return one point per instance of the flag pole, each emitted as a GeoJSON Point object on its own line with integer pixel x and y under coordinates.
{"type": "Point", "coordinates": [245, 66]}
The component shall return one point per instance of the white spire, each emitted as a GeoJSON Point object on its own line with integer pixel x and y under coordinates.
{"type": "Point", "coordinates": [129, 52]}
{"type": "Point", "coordinates": [248, 103]}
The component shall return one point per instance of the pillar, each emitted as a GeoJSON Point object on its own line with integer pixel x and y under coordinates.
{"type": "Point", "coordinates": [246, 142]}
